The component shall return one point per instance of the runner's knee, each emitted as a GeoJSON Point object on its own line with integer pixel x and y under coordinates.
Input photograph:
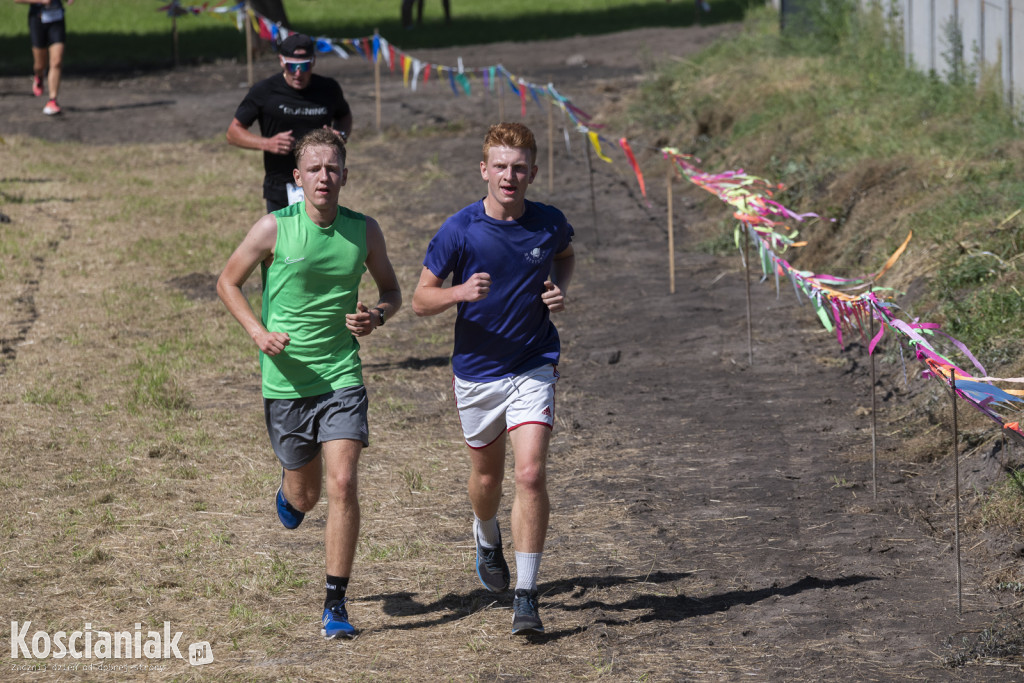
{"type": "Point", "coordinates": [531, 477]}
{"type": "Point", "coordinates": [342, 486]}
{"type": "Point", "coordinates": [304, 498]}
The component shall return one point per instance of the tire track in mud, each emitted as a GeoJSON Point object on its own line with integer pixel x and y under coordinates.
{"type": "Point", "coordinates": [20, 311]}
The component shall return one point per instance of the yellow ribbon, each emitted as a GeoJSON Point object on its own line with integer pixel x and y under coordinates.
{"type": "Point", "coordinates": [597, 146]}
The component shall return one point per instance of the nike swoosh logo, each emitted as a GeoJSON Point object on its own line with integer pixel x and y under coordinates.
{"type": "Point", "coordinates": [294, 260]}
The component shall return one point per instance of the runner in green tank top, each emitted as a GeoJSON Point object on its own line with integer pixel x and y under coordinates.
{"type": "Point", "coordinates": [310, 286]}
{"type": "Point", "coordinates": [312, 256]}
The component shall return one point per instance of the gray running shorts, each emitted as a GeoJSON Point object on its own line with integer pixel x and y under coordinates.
{"type": "Point", "coordinates": [297, 426]}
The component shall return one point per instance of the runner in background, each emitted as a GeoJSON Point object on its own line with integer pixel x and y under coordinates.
{"type": "Point", "coordinates": [407, 12]}
{"type": "Point", "coordinates": [47, 33]}
{"type": "Point", "coordinates": [287, 106]}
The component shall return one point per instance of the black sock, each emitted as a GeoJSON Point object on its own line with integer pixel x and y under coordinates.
{"type": "Point", "coordinates": [336, 587]}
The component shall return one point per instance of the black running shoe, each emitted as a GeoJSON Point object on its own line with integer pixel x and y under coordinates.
{"type": "Point", "coordinates": [491, 566]}
{"type": "Point", "coordinates": [525, 617]}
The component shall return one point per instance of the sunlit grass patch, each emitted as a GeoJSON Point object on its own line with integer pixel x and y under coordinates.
{"type": "Point", "coordinates": [1003, 507]}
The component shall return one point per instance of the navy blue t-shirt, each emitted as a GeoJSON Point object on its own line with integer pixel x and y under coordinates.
{"type": "Point", "coordinates": [510, 331]}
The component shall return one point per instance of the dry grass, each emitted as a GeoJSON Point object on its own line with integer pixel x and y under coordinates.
{"type": "Point", "coordinates": [137, 475]}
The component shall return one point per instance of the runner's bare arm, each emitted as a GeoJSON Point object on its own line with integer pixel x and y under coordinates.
{"type": "Point", "coordinates": [240, 136]}
{"type": "Point", "coordinates": [257, 246]}
{"type": "Point", "coordinates": [561, 275]}
{"type": "Point", "coordinates": [343, 126]}
{"type": "Point", "coordinates": [430, 298]}
{"type": "Point", "coordinates": [389, 292]}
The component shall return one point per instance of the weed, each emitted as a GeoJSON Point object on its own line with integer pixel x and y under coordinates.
{"type": "Point", "coordinates": [1002, 640]}
{"type": "Point", "coordinates": [841, 483]}
{"type": "Point", "coordinates": [1010, 586]}
{"type": "Point", "coordinates": [155, 388]}
{"type": "Point", "coordinates": [187, 472]}
{"type": "Point", "coordinates": [1003, 507]}
{"type": "Point", "coordinates": [413, 479]}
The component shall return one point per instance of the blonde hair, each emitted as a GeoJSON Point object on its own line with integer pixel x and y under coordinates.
{"type": "Point", "coordinates": [320, 137]}
{"type": "Point", "coordinates": [514, 135]}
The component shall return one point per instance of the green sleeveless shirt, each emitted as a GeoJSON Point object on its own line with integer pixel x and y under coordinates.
{"type": "Point", "coordinates": [311, 284]}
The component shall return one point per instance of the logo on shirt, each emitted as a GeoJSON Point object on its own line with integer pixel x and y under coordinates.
{"type": "Point", "coordinates": [535, 256]}
{"type": "Point", "coordinates": [289, 261]}
{"type": "Point", "coordinates": [303, 111]}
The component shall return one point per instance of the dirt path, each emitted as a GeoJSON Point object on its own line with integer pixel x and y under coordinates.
{"type": "Point", "coordinates": [712, 520]}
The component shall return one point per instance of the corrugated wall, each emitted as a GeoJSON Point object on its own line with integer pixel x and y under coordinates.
{"type": "Point", "coordinates": [992, 30]}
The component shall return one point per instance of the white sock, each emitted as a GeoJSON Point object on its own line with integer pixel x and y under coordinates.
{"type": "Point", "coordinates": [486, 532]}
{"type": "Point", "coordinates": [527, 566]}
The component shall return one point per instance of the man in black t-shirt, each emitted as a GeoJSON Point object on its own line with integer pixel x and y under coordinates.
{"type": "Point", "coordinates": [288, 105]}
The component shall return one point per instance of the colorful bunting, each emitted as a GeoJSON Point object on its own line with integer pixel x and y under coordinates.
{"type": "Point", "coordinates": [839, 303]}
{"type": "Point", "coordinates": [632, 162]}
{"type": "Point", "coordinates": [595, 141]}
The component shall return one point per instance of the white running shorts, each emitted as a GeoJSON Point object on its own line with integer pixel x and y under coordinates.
{"type": "Point", "coordinates": [486, 409]}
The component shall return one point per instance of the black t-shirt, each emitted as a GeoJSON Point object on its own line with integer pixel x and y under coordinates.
{"type": "Point", "coordinates": [279, 107]}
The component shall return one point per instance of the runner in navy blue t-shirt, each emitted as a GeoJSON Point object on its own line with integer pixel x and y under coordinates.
{"type": "Point", "coordinates": [510, 261]}
{"type": "Point", "coordinates": [287, 106]}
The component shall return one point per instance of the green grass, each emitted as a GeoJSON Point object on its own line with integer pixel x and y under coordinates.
{"type": "Point", "coordinates": [124, 34]}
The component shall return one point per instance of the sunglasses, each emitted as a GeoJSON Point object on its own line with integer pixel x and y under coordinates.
{"type": "Point", "coordinates": [298, 67]}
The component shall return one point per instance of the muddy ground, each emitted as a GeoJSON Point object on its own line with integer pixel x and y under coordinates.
{"type": "Point", "coordinates": [712, 519]}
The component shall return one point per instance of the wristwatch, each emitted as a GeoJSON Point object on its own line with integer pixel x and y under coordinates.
{"type": "Point", "coordinates": [380, 314]}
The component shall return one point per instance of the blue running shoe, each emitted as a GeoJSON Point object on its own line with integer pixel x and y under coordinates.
{"type": "Point", "coordinates": [335, 621]}
{"type": "Point", "coordinates": [525, 615]}
{"type": "Point", "coordinates": [289, 516]}
{"type": "Point", "coordinates": [491, 566]}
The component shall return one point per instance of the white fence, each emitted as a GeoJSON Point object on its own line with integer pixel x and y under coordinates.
{"type": "Point", "coordinates": [992, 31]}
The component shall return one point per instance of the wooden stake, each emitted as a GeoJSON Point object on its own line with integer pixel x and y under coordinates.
{"type": "Point", "coordinates": [174, 38]}
{"type": "Point", "coordinates": [551, 146]}
{"type": "Point", "coordinates": [376, 76]}
{"type": "Point", "coordinates": [874, 460]}
{"type": "Point", "coordinates": [746, 270]}
{"type": "Point", "coordinates": [593, 199]}
{"type": "Point", "coordinates": [671, 236]}
{"type": "Point", "coordinates": [501, 99]}
{"type": "Point", "coordinates": [956, 495]}
{"type": "Point", "coordinates": [248, 43]}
